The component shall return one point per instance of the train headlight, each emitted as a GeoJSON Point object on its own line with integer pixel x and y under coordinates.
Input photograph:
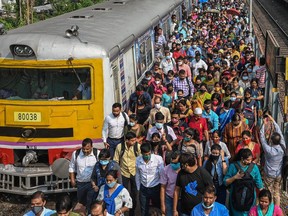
{"type": "Point", "coordinates": [22, 50]}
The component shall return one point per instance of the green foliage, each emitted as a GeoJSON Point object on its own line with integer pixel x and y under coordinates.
{"type": "Point", "coordinates": [59, 7]}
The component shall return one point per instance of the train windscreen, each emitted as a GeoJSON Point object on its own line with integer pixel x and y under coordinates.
{"type": "Point", "coordinates": [45, 84]}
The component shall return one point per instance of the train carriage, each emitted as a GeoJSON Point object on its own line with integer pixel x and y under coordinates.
{"type": "Point", "coordinates": [102, 51]}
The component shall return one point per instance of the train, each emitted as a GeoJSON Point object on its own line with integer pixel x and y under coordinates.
{"type": "Point", "coordinates": [59, 78]}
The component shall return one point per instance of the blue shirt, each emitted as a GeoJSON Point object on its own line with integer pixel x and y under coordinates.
{"type": "Point", "coordinates": [219, 169]}
{"type": "Point", "coordinates": [217, 210]}
{"type": "Point", "coordinates": [192, 52]}
{"type": "Point", "coordinates": [273, 154]}
{"type": "Point", "coordinates": [46, 212]}
{"type": "Point", "coordinates": [213, 118]}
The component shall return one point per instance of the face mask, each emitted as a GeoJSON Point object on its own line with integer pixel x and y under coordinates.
{"type": "Point", "coordinates": [225, 110]}
{"type": "Point", "coordinates": [168, 57]}
{"type": "Point", "coordinates": [175, 166]}
{"type": "Point", "coordinates": [247, 141]}
{"type": "Point", "coordinates": [215, 103]}
{"type": "Point", "coordinates": [236, 60]}
{"type": "Point", "coordinates": [249, 70]}
{"type": "Point", "coordinates": [157, 82]}
{"type": "Point", "coordinates": [157, 106]}
{"type": "Point", "coordinates": [228, 57]}
{"type": "Point", "coordinates": [180, 63]}
{"type": "Point", "coordinates": [132, 124]}
{"type": "Point", "coordinates": [37, 209]}
{"type": "Point", "coordinates": [111, 185]}
{"type": "Point", "coordinates": [159, 125]}
{"type": "Point", "coordinates": [104, 162]}
{"type": "Point", "coordinates": [202, 90]}
{"type": "Point", "coordinates": [146, 157]}
{"type": "Point", "coordinates": [245, 77]}
{"type": "Point", "coordinates": [207, 207]}
{"type": "Point", "coordinates": [148, 78]}
{"type": "Point", "coordinates": [217, 89]}
{"type": "Point", "coordinates": [180, 97]}
{"type": "Point", "coordinates": [187, 139]}
{"type": "Point", "coordinates": [215, 157]}
{"type": "Point", "coordinates": [194, 46]}
{"type": "Point", "coordinates": [154, 144]}
{"type": "Point", "coordinates": [233, 98]}
{"type": "Point", "coordinates": [209, 77]}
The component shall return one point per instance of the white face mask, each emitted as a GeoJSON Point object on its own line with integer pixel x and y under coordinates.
{"type": "Point", "coordinates": [180, 63]}
{"type": "Point", "coordinates": [157, 82]}
{"type": "Point", "coordinates": [157, 106]}
{"type": "Point", "coordinates": [207, 207]}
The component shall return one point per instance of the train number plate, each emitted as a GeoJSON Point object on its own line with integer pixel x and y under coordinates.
{"type": "Point", "coordinates": [27, 116]}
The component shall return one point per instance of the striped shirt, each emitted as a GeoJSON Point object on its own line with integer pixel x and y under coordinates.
{"type": "Point", "coordinates": [179, 84]}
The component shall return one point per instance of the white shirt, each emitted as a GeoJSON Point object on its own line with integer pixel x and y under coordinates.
{"type": "Point", "coordinates": [197, 65]}
{"type": "Point", "coordinates": [148, 174]}
{"type": "Point", "coordinates": [45, 212]}
{"type": "Point", "coordinates": [123, 198]}
{"type": "Point", "coordinates": [160, 132]}
{"type": "Point", "coordinates": [166, 65]}
{"type": "Point", "coordinates": [83, 166]}
{"type": "Point", "coordinates": [113, 127]}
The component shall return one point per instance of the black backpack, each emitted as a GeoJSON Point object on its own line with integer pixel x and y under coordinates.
{"type": "Point", "coordinates": [135, 148]}
{"type": "Point", "coordinates": [95, 152]}
{"type": "Point", "coordinates": [243, 190]}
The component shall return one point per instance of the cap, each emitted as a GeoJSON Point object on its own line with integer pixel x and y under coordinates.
{"type": "Point", "coordinates": [198, 111]}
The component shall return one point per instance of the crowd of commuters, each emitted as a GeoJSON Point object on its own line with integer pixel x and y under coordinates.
{"type": "Point", "coordinates": [195, 138]}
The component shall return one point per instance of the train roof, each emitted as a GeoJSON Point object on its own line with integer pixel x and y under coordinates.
{"type": "Point", "coordinates": [103, 26]}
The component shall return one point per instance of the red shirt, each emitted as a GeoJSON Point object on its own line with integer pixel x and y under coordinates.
{"type": "Point", "coordinates": [200, 126]}
{"type": "Point", "coordinates": [255, 151]}
{"type": "Point", "coordinates": [177, 54]}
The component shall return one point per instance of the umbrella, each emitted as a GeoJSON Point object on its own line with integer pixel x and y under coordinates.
{"type": "Point", "coordinates": [233, 11]}
{"type": "Point", "coordinates": [212, 11]}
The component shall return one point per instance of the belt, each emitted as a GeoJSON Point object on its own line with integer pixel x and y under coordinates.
{"type": "Point", "coordinates": [116, 138]}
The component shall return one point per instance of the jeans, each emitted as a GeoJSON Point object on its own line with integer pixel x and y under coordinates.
{"type": "Point", "coordinates": [169, 205]}
{"type": "Point", "coordinates": [148, 195]}
{"type": "Point", "coordinates": [182, 214]}
{"type": "Point", "coordinates": [113, 144]}
{"type": "Point", "coordinates": [85, 193]}
{"type": "Point", "coordinates": [133, 191]}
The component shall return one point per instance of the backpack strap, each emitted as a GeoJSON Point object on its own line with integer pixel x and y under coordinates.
{"type": "Point", "coordinates": [95, 152]}
{"type": "Point", "coordinates": [135, 148]}
{"type": "Point", "coordinates": [126, 121]}
{"type": "Point", "coordinates": [250, 168]}
{"type": "Point", "coordinates": [77, 153]}
{"type": "Point", "coordinates": [284, 150]}
{"type": "Point", "coordinates": [237, 166]}
{"type": "Point", "coordinates": [187, 80]}
{"type": "Point", "coordinates": [122, 150]}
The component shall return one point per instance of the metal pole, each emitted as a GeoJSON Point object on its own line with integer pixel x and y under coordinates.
{"type": "Point", "coordinates": [250, 16]}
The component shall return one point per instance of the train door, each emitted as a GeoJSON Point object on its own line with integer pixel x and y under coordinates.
{"type": "Point", "coordinates": [115, 74]}
{"type": "Point", "coordinates": [129, 72]}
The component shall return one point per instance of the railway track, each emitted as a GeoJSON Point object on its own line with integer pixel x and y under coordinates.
{"type": "Point", "coordinates": [273, 19]}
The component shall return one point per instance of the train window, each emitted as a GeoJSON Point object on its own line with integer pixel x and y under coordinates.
{"type": "Point", "coordinates": [143, 64]}
{"type": "Point", "coordinates": [149, 51]}
{"type": "Point", "coordinates": [45, 84]}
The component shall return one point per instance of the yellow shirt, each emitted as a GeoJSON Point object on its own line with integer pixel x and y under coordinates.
{"type": "Point", "coordinates": [128, 160]}
{"type": "Point", "coordinates": [235, 53]}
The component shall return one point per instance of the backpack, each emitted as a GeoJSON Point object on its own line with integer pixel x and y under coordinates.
{"type": "Point", "coordinates": [242, 197]}
{"type": "Point", "coordinates": [135, 148]}
{"type": "Point", "coordinates": [95, 152]}
{"type": "Point", "coordinates": [126, 121]}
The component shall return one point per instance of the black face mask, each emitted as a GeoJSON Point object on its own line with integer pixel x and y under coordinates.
{"type": "Point", "coordinates": [180, 97]}
{"type": "Point", "coordinates": [202, 91]}
{"type": "Point", "coordinates": [214, 157]}
{"type": "Point", "coordinates": [209, 77]}
{"type": "Point", "coordinates": [169, 90]}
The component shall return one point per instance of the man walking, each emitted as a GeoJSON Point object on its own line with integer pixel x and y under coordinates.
{"type": "Point", "coordinates": [82, 162]}
{"type": "Point", "coordinates": [113, 128]}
